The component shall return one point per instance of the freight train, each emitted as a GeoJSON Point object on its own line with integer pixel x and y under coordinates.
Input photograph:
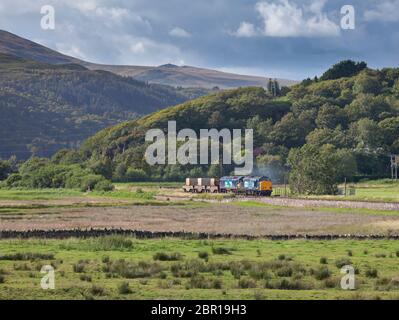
{"type": "Point", "coordinates": [248, 185]}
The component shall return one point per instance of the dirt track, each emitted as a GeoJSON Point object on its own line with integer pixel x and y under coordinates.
{"type": "Point", "coordinates": [210, 218]}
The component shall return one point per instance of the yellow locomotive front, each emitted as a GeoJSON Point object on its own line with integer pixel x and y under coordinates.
{"type": "Point", "coordinates": [261, 186]}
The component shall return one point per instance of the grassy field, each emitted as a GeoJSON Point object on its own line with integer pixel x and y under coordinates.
{"type": "Point", "coordinates": [54, 194]}
{"type": "Point", "coordinates": [127, 268]}
{"type": "Point", "coordinates": [385, 190]}
{"type": "Point", "coordinates": [379, 190]}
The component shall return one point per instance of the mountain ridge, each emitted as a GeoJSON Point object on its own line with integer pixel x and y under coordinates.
{"type": "Point", "coordinates": [167, 74]}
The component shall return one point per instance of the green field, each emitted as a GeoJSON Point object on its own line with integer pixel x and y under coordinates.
{"type": "Point", "coordinates": [385, 190]}
{"type": "Point", "coordinates": [378, 190]}
{"type": "Point", "coordinates": [127, 268]}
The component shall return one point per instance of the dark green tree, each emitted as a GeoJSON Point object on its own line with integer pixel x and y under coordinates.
{"type": "Point", "coordinates": [346, 68]}
{"type": "Point", "coordinates": [319, 170]}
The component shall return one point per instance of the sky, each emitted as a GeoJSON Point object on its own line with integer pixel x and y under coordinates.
{"type": "Point", "coordinates": [275, 38]}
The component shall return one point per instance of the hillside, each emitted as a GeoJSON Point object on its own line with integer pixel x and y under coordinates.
{"type": "Point", "coordinates": [171, 75]}
{"type": "Point", "coordinates": [355, 118]}
{"type": "Point", "coordinates": [46, 107]}
{"type": "Point", "coordinates": [12, 44]}
{"type": "Point", "coordinates": [123, 146]}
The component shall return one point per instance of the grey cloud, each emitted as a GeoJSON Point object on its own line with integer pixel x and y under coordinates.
{"type": "Point", "coordinates": [223, 34]}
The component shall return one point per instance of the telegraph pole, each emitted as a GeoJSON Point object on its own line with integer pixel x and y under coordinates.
{"type": "Point", "coordinates": [394, 166]}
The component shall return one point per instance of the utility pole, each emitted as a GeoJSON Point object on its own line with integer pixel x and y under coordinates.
{"type": "Point", "coordinates": [285, 185]}
{"type": "Point", "coordinates": [221, 146]}
{"type": "Point", "coordinates": [394, 166]}
{"type": "Point", "coordinates": [345, 187]}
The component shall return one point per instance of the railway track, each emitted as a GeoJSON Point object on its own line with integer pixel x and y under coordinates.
{"type": "Point", "coordinates": [298, 202]}
{"type": "Point", "coordinates": [294, 202]}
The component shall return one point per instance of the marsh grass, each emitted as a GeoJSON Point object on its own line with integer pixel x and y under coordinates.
{"type": "Point", "coordinates": [28, 256]}
{"type": "Point", "coordinates": [236, 276]}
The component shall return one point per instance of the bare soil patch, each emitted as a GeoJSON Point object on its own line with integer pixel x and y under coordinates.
{"type": "Point", "coordinates": [212, 218]}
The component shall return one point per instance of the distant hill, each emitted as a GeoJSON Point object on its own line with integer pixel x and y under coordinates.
{"type": "Point", "coordinates": [45, 107]}
{"type": "Point", "coordinates": [169, 74]}
{"type": "Point", "coordinates": [19, 47]}
{"type": "Point", "coordinates": [186, 76]}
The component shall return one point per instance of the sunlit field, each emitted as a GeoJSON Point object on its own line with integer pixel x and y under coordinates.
{"type": "Point", "coordinates": [127, 268]}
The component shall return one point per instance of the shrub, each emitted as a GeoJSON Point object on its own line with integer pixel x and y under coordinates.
{"type": "Point", "coordinates": [221, 250]}
{"type": "Point", "coordinates": [162, 256]}
{"type": "Point", "coordinates": [217, 284]}
{"type": "Point", "coordinates": [286, 284]}
{"type": "Point", "coordinates": [380, 255]}
{"type": "Point", "coordinates": [105, 259]}
{"type": "Point", "coordinates": [371, 273]}
{"type": "Point", "coordinates": [397, 253]}
{"type": "Point", "coordinates": [13, 180]}
{"type": "Point", "coordinates": [85, 277]}
{"type": "Point", "coordinates": [236, 269]}
{"type": "Point", "coordinates": [285, 271]}
{"type": "Point", "coordinates": [322, 273]}
{"type": "Point", "coordinates": [30, 256]}
{"type": "Point", "coordinates": [89, 182]}
{"type": "Point", "coordinates": [132, 270]}
{"type": "Point", "coordinates": [342, 262]}
{"type": "Point", "coordinates": [260, 271]}
{"type": "Point", "coordinates": [201, 282]}
{"type": "Point", "coordinates": [96, 290]}
{"type": "Point", "coordinates": [246, 283]}
{"type": "Point", "coordinates": [104, 185]}
{"type": "Point", "coordinates": [349, 253]}
{"type": "Point", "coordinates": [189, 268]}
{"type": "Point", "coordinates": [2, 278]}
{"type": "Point", "coordinates": [22, 267]}
{"type": "Point", "coordinates": [165, 284]}
{"type": "Point", "coordinates": [79, 267]}
{"type": "Point", "coordinates": [203, 255]}
{"type": "Point", "coordinates": [332, 282]}
{"type": "Point", "coordinates": [323, 260]}
{"type": "Point", "coordinates": [124, 288]}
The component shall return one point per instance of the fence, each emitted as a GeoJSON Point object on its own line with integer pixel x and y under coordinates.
{"type": "Point", "coordinates": [281, 191]}
{"type": "Point", "coordinates": [347, 192]}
